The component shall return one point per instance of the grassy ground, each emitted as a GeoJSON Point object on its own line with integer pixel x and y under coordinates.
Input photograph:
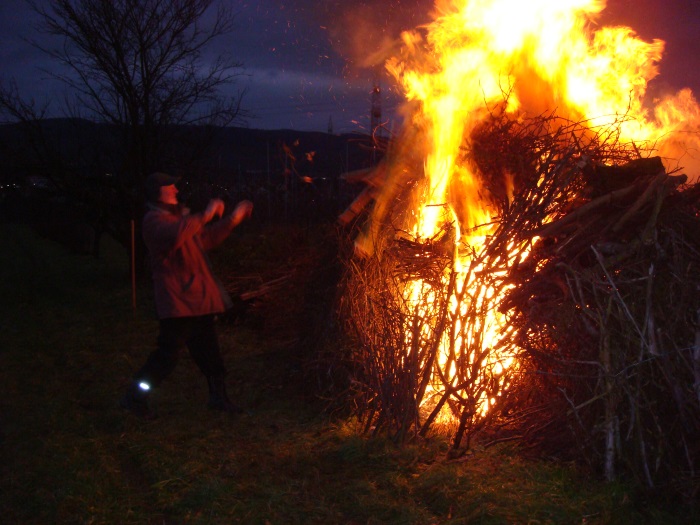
{"type": "Point", "coordinates": [69, 341]}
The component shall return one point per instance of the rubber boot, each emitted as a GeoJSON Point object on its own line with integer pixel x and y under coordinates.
{"type": "Point", "coordinates": [135, 400]}
{"type": "Point", "coordinates": [218, 399]}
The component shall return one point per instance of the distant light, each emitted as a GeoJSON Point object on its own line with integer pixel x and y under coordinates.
{"type": "Point", "coordinates": [144, 386]}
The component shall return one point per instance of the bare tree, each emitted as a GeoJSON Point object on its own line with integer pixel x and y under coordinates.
{"type": "Point", "coordinates": [146, 71]}
{"type": "Point", "coordinates": [143, 66]}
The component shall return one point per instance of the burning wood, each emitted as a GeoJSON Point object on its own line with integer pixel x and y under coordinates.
{"type": "Point", "coordinates": [568, 296]}
{"type": "Point", "coordinates": [603, 313]}
{"type": "Point", "coordinates": [594, 266]}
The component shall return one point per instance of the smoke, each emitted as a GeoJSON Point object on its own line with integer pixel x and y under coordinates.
{"type": "Point", "coordinates": [366, 33]}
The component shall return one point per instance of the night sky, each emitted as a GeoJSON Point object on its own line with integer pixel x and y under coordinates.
{"type": "Point", "coordinates": [305, 59]}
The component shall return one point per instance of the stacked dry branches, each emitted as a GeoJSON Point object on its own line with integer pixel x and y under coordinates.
{"type": "Point", "coordinates": [593, 261]}
{"type": "Point", "coordinates": [604, 312]}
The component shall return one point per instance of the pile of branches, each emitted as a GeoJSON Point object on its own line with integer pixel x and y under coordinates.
{"type": "Point", "coordinates": [397, 333]}
{"type": "Point", "coordinates": [604, 315]}
{"type": "Point", "coordinates": [594, 262]}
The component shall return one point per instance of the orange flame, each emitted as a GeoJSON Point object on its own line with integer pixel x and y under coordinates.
{"type": "Point", "coordinates": [526, 58]}
{"type": "Point", "coordinates": [545, 56]}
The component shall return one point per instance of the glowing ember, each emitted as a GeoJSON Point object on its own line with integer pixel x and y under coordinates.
{"type": "Point", "coordinates": [482, 57]}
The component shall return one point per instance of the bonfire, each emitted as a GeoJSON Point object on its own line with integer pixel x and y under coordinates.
{"type": "Point", "coordinates": [530, 265]}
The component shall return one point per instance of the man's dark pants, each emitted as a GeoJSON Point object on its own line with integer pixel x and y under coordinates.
{"type": "Point", "coordinates": [198, 334]}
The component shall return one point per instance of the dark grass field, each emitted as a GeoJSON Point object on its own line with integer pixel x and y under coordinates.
{"type": "Point", "coordinates": [70, 339]}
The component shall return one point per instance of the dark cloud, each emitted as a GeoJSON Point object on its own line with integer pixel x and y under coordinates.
{"type": "Point", "coordinates": [309, 60]}
{"type": "Point", "coordinates": [21, 62]}
{"type": "Point", "coordinates": [316, 52]}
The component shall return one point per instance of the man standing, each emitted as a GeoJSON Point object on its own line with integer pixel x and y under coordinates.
{"type": "Point", "coordinates": [187, 294]}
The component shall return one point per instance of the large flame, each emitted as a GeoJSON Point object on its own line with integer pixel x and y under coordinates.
{"type": "Point", "coordinates": [525, 58]}
{"type": "Point", "coordinates": [545, 56]}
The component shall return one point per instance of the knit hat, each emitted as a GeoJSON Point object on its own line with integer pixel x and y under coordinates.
{"type": "Point", "coordinates": [155, 181]}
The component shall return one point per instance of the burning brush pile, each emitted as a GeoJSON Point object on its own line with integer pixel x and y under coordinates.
{"type": "Point", "coordinates": [529, 278]}
{"type": "Point", "coordinates": [573, 328]}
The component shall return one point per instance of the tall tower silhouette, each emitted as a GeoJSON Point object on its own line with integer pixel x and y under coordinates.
{"type": "Point", "coordinates": [376, 109]}
{"type": "Point", "coordinates": [376, 127]}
